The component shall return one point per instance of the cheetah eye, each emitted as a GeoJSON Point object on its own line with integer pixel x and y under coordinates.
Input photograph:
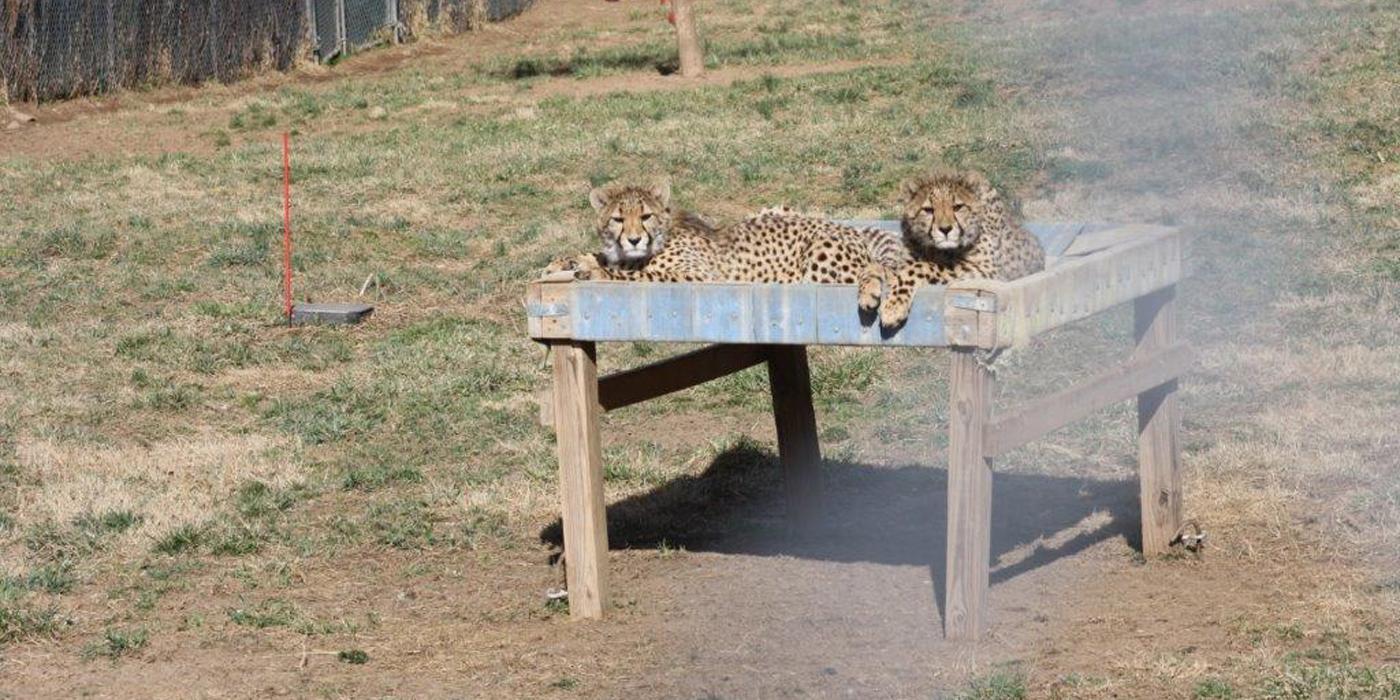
{"type": "Point", "coordinates": [646, 217]}
{"type": "Point", "coordinates": [928, 210]}
{"type": "Point", "coordinates": [617, 219]}
{"type": "Point", "coordinates": [960, 207]}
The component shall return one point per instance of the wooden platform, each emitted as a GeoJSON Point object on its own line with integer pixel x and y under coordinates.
{"type": "Point", "coordinates": [1090, 268]}
{"type": "Point", "coordinates": [1081, 280]}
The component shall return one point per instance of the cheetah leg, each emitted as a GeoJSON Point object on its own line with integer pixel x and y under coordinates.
{"type": "Point", "coordinates": [873, 281]}
{"type": "Point", "coordinates": [894, 309]}
{"type": "Point", "coordinates": [584, 266]}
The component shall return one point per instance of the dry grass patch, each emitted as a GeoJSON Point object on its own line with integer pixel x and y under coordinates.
{"type": "Point", "coordinates": [168, 485]}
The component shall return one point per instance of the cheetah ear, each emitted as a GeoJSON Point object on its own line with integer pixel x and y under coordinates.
{"type": "Point", "coordinates": [599, 197]}
{"type": "Point", "coordinates": [662, 192]}
{"type": "Point", "coordinates": [981, 185]}
{"type": "Point", "coordinates": [909, 188]}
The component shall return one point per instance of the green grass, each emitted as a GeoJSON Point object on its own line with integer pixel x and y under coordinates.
{"type": "Point", "coordinates": [280, 612]}
{"type": "Point", "coordinates": [116, 643]}
{"type": "Point", "coordinates": [21, 618]}
{"type": "Point", "coordinates": [1215, 689]}
{"type": "Point", "coordinates": [1003, 684]}
{"type": "Point", "coordinates": [183, 539]}
{"type": "Point", "coordinates": [1342, 680]}
{"type": "Point", "coordinates": [354, 657]}
{"type": "Point", "coordinates": [49, 578]}
{"type": "Point", "coordinates": [273, 612]}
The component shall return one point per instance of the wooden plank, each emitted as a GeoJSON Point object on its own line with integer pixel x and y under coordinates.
{"type": "Point", "coordinates": [676, 373]}
{"type": "Point", "coordinates": [1079, 287]}
{"type": "Point", "coordinates": [790, 380]}
{"type": "Point", "coordinates": [547, 309]}
{"type": "Point", "coordinates": [1092, 241]}
{"type": "Point", "coordinates": [1057, 410]}
{"type": "Point", "coordinates": [970, 317]}
{"type": "Point", "coordinates": [581, 477]}
{"type": "Point", "coordinates": [969, 498]}
{"type": "Point", "coordinates": [1159, 453]}
{"type": "Point", "coordinates": [1055, 237]}
{"type": "Point", "coordinates": [729, 313]}
{"type": "Point", "coordinates": [657, 379]}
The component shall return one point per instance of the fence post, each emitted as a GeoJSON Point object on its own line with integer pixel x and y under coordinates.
{"type": "Point", "coordinates": [391, 18]}
{"type": "Point", "coordinates": [111, 48]}
{"type": "Point", "coordinates": [342, 36]}
{"type": "Point", "coordinates": [689, 50]}
{"type": "Point", "coordinates": [312, 35]}
{"type": "Point", "coordinates": [213, 33]}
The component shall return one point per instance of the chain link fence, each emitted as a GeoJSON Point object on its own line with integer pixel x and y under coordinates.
{"type": "Point", "coordinates": [54, 49]}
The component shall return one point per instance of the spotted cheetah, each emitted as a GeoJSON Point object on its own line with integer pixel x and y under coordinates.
{"type": "Point", "coordinates": [956, 226]}
{"type": "Point", "coordinates": [634, 223]}
{"type": "Point", "coordinates": [776, 245]}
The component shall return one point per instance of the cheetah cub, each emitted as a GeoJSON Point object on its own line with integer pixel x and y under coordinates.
{"type": "Point", "coordinates": [956, 226]}
{"type": "Point", "coordinates": [634, 223]}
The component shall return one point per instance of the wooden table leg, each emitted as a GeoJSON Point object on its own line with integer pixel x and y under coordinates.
{"type": "Point", "coordinates": [969, 498]}
{"type": "Point", "coordinates": [581, 477]}
{"type": "Point", "coordinates": [1159, 456]}
{"type": "Point", "coordinates": [790, 380]}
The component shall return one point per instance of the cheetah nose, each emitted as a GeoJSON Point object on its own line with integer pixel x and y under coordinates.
{"type": "Point", "coordinates": [634, 241]}
{"type": "Point", "coordinates": [945, 229]}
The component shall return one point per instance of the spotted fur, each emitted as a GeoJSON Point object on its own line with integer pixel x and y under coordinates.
{"type": "Point", "coordinates": [771, 246]}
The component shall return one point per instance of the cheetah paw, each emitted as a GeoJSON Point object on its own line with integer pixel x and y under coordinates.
{"type": "Point", "coordinates": [894, 312]}
{"type": "Point", "coordinates": [871, 284]}
{"type": "Point", "coordinates": [583, 266]}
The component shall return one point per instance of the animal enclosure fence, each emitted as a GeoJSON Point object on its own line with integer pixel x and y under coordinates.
{"type": "Point", "coordinates": [55, 49]}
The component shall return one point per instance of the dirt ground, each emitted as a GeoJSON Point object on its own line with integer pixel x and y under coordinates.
{"type": "Point", "coordinates": [738, 606]}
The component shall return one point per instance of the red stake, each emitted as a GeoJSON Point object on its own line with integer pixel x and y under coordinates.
{"type": "Point", "coordinates": [287, 225]}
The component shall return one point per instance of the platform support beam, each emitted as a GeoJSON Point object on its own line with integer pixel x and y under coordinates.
{"type": "Point", "coordinates": [968, 568]}
{"type": "Point", "coordinates": [581, 477]}
{"type": "Point", "coordinates": [790, 380]}
{"type": "Point", "coordinates": [1159, 455]}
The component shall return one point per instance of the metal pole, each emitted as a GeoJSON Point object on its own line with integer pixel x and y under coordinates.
{"type": "Point", "coordinates": [287, 225]}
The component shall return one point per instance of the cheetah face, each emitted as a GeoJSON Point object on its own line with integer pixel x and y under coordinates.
{"type": "Point", "coordinates": [632, 222]}
{"type": "Point", "coordinates": [944, 212]}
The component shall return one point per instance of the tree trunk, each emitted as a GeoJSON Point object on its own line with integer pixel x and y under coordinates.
{"type": "Point", "coordinates": [688, 39]}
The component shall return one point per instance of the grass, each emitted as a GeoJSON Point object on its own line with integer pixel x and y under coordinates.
{"type": "Point", "coordinates": [180, 540]}
{"type": "Point", "coordinates": [1214, 688]}
{"type": "Point", "coordinates": [22, 619]}
{"type": "Point", "coordinates": [1002, 684]}
{"type": "Point", "coordinates": [160, 430]}
{"type": "Point", "coordinates": [354, 657]}
{"type": "Point", "coordinates": [116, 643]}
